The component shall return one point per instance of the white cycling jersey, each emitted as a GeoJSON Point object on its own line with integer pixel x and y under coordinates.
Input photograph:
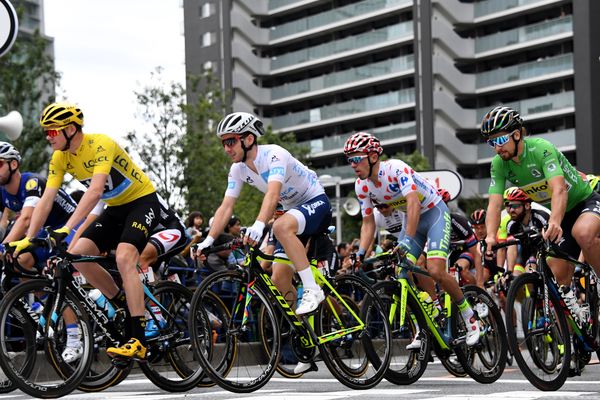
{"type": "Point", "coordinates": [274, 163]}
{"type": "Point", "coordinates": [395, 181]}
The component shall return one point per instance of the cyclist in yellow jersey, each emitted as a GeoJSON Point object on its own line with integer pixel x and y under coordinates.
{"type": "Point", "coordinates": [133, 211]}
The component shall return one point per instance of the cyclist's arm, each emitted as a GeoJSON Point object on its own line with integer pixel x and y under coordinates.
{"type": "Point", "coordinates": [367, 230]}
{"type": "Point", "coordinates": [41, 211]}
{"type": "Point", "coordinates": [21, 224]}
{"type": "Point", "coordinates": [88, 201]}
{"type": "Point", "coordinates": [4, 223]}
{"type": "Point", "coordinates": [413, 213]}
{"type": "Point", "coordinates": [492, 220]}
{"type": "Point", "coordinates": [560, 195]}
{"type": "Point", "coordinates": [221, 217]}
{"type": "Point", "coordinates": [474, 250]}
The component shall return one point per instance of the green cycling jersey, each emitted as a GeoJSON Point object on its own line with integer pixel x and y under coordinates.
{"type": "Point", "coordinates": [539, 162]}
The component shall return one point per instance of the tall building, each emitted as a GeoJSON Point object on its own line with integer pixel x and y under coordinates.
{"type": "Point", "coordinates": [418, 74]}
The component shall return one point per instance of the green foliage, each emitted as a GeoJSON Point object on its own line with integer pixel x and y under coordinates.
{"type": "Point", "coordinates": [416, 160]}
{"type": "Point", "coordinates": [27, 82]}
{"type": "Point", "coordinates": [472, 204]}
{"type": "Point", "coordinates": [205, 164]}
{"type": "Point", "coordinates": [159, 145]}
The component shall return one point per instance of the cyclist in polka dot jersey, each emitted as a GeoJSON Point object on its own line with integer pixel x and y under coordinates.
{"type": "Point", "coordinates": [392, 186]}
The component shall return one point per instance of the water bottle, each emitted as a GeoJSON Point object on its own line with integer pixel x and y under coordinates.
{"type": "Point", "coordinates": [425, 299]}
{"type": "Point", "coordinates": [38, 308]}
{"type": "Point", "coordinates": [102, 302]}
{"type": "Point", "coordinates": [158, 314]}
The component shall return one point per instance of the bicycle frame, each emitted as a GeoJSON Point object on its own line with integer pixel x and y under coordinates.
{"type": "Point", "coordinates": [302, 325]}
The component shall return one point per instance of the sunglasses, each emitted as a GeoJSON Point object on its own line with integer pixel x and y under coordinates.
{"type": "Point", "coordinates": [356, 159]}
{"type": "Point", "coordinates": [513, 206]}
{"type": "Point", "coordinates": [230, 142]}
{"type": "Point", "coordinates": [53, 132]}
{"type": "Point", "coordinates": [499, 141]}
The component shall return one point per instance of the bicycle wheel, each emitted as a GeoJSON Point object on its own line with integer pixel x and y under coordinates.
{"type": "Point", "coordinates": [357, 359]}
{"type": "Point", "coordinates": [539, 341]}
{"type": "Point", "coordinates": [170, 364]}
{"type": "Point", "coordinates": [406, 366]}
{"type": "Point", "coordinates": [6, 385]}
{"type": "Point", "coordinates": [290, 354]}
{"type": "Point", "coordinates": [218, 315]}
{"type": "Point", "coordinates": [485, 361]}
{"type": "Point", "coordinates": [453, 365]}
{"type": "Point", "coordinates": [234, 357]}
{"type": "Point", "coordinates": [30, 354]}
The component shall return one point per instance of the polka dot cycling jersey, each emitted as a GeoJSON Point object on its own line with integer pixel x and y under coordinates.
{"type": "Point", "coordinates": [395, 181]}
{"type": "Point", "coordinates": [274, 163]}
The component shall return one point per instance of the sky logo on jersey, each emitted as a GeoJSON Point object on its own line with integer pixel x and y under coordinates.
{"type": "Point", "coordinates": [277, 171]}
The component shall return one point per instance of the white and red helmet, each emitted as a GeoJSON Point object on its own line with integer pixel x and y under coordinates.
{"type": "Point", "coordinates": [363, 142]}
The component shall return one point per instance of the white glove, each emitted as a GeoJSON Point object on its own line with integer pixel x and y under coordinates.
{"type": "Point", "coordinates": [201, 246]}
{"type": "Point", "coordinates": [255, 232]}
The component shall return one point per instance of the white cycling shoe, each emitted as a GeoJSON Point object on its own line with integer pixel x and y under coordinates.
{"type": "Point", "coordinates": [415, 344]}
{"type": "Point", "coordinates": [473, 331]}
{"type": "Point", "coordinates": [72, 353]}
{"type": "Point", "coordinates": [311, 298]}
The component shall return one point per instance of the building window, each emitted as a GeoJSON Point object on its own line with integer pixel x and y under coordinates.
{"type": "Point", "coordinates": [206, 10]}
{"type": "Point", "coordinates": [208, 38]}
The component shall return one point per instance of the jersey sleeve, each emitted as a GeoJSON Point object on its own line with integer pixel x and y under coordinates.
{"type": "Point", "coordinates": [548, 157]}
{"type": "Point", "coordinates": [498, 179]}
{"type": "Point", "coordinates": [56, 170]}
{"type": "Point", "coordinates": [278, 166]}
{"type": "Point", "coordinates": [234, 182]}
{"type": "Point", "coordinates": [106, 152]}
{"type": "Point", "coordinates": [362, 192]}
{"type": "Point", "coordinates": [34, 188]}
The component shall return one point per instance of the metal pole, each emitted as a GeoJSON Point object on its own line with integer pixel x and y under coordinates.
{"type": "Point", "coordinates": [338, 213]}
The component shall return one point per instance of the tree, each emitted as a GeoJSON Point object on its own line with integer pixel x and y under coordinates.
{"type": "Point", "coordinates": [27, 82]}
{"type": "Point", "coordinates": [159, 146]}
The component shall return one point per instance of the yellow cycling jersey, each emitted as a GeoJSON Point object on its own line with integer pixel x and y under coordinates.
{"type": "Point", "coordinates": [502, 234]}
{"type": "Point", "coordinates": [100, 154]}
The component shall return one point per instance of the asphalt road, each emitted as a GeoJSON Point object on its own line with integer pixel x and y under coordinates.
{"type": "Point", "coordinates": [436, 384]}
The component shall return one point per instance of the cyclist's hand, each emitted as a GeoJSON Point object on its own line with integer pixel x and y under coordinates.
{"type": "Point", "coordinates": [59, 235]}
{"type": "Point", "coordinates": [553, 232]}
{"type": "Point", "coordinates": [196, 249]}
{"type": "Point", "coordinates": [254, 233]}
{"type": "Point", "coordinates": [490, 242]}
{"type": "Point", "coordinates": [20, 245]}
{"type": "Point", "coordinates": [405, 245]}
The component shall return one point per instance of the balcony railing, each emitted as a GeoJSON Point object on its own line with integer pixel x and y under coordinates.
{"type": "Point", "coordinates": [536, 105]}
{"type": "Point", "coordinates": [337, 46]}
{"type": "Point", "coordinates": [331, 16]}
{"type": "Point", "coordinates": [371, 103]}
{"type": "Point", "coordinates": [337, 142]}
{"type": "Point", "coordinates": [273, 4]}
{"type": "Point", "coordinates": [493, 6]}
{"type": "Point", "coordinates": [352, 75]}
{"type": "Point", "coordinates": [524, 71]}
{"type": "Point", "coordinates": [524, 34]}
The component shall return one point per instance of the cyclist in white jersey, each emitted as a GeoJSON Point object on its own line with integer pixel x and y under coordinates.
{"type": "Point", "coordinates": [394, 184]}
{"type": "Point", "coordinates": [283, 179]}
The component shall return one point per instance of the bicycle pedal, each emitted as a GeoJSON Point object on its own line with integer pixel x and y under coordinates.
{"type": "Point", "coordinates": [121, 363]}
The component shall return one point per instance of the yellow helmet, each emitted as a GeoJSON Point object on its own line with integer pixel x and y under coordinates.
{"type": "Point", "coordinates": [593, 181]}
{"type": "Point", "coordinates": [508, 191]}
{"type": "Point", "coordinates": [59, 115]}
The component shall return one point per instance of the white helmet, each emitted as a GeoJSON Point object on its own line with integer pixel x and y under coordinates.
{"type": "Point", "coordinates": [240, 123]}
{"type": "Point", "coordinates": [9, 152]}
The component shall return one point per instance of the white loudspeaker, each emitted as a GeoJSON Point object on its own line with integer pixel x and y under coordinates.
{"type": "Point", "coordinates": [12, 125]}
{"type": "Point", "coordinates": [351, 206]}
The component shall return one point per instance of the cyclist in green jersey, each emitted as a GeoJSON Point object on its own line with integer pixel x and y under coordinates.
{"type": "Point", "coordinates": [546, 176]}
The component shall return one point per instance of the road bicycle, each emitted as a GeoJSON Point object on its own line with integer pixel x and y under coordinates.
{"type": "Point", "coordinates": [353, 338]}
{"type": "Point", "coordinates": [539, 323]}
{"type": "Point", "coordinates": [32, 341]}
{"type": "Point", "coordinates": [410, 315]}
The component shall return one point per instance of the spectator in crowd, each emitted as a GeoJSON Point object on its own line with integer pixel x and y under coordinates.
{"type": "Point", "coordinates": [219, 261]}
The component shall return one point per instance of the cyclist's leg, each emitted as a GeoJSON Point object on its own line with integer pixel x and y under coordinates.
{"type": "Point", "coordinates": [306, 219]}
{"type": "Point", "coordinates": [282, 278]}
{"type": "Point", "coordinates": [586, 231]}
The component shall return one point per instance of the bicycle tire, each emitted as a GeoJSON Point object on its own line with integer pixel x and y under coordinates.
{"type": "Point", "coordinates": [16, 315]}
{"type": "Point", "coordinates": [453, 366]}
{"type": "Point", "coordinates": [370, 347]}
{"type": "Point", "coordinates": [406, 366]}
{"type": "Point", "coordinates": [6, 385]}
{"type": "Point", "coordinates": [170, 365]}
{"type": "Point", "coordinates": [534, 348]}
{"type": "Point", "coordinates": [486, 360]}
{"type": "Point", "coordinates": [248, 366]}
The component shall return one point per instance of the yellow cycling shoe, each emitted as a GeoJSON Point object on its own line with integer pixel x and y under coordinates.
{"type": "Point", "coordinates": [133, 349]}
